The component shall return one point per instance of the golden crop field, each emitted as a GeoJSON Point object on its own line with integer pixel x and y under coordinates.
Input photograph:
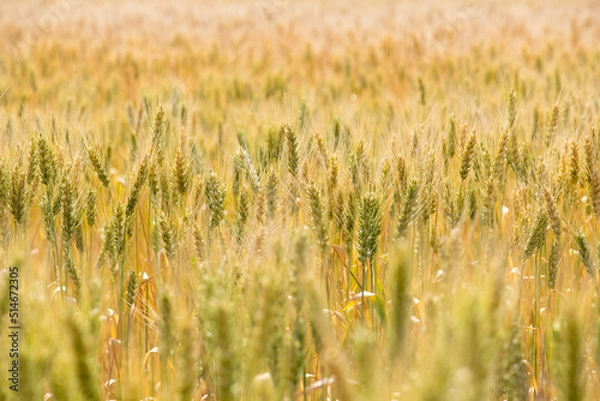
{"type": "Point", "coordinates": [299, 200]}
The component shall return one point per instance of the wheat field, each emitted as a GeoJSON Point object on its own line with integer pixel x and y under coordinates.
{"type": "Point", "coordinates": [279, 200]}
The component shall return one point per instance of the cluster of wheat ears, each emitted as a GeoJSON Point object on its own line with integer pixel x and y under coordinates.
{"type": "Point", "coordinates": [267, 221]}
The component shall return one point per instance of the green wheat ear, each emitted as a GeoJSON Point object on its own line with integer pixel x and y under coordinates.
{"type": "Point", "coordinates": [537, 235]}
{"type": "Point", "coordinates": [369, 227]}
{"type": "Point", "coordinates": [451, 140]}
{"type": "Point", "coordinates": [243, 209]}
{"type": "Point", "coordinates": [552, 211]}
{"type": "Point", "coordinates": [332, 182]}
{"type": "Point", "coordinates": [4, 183]}
{"type": "Point", "coordinates": [293, 167]}
{"type": "Point", "coordinates": [553, 264]}
{"type": "Point", "coordinates": [98, 166]}
{"type": "Point", "coordinates": [68, 209]}
{"type": "Point", "coordinates": [91, 210]}
{"type": "Point", "coordinates": [272, 186]}
{"type": "Point", "coordinates": [45, 159]}
{"type": "Point", "coordinates": [583, 251]}
{"type": "Point", "coordinates": [500, 157]}
{"type": "Point", "coordinates": [32, 162]}
{"type": "Point", "coordinates": [409, 203]}
{"type": "Point", "coordinates": [132, 287]}
{"type": "Point", "coordinates": [293, 158]}
{"type": "Point", "coordinates": [17, 198]}
{"type": "Point", "coordinates": [158, 133]}
{"type": "Point", "coordinates": [181, 168]}
{"type": "Point", "coordinates": [467, 155]}
{"type": "Point", "coordinates": [573, 156]}
{"type": "Point", "coordinates": [512, 108]}
{"type": "Point", "coordinates": [592, 177]}
{"type": "Point", "coordinates": [215, 193]}
{"type": "Point", "coordinates": [349, 216]}
{"type": "Point", "coordinates": [552, 124]}
{"type": "Point", "coordinates": [315, 206]}
{"type": "Point", "coordinates": [167, 234]}
{"type": "Point", "coordinates": [134, 195]}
